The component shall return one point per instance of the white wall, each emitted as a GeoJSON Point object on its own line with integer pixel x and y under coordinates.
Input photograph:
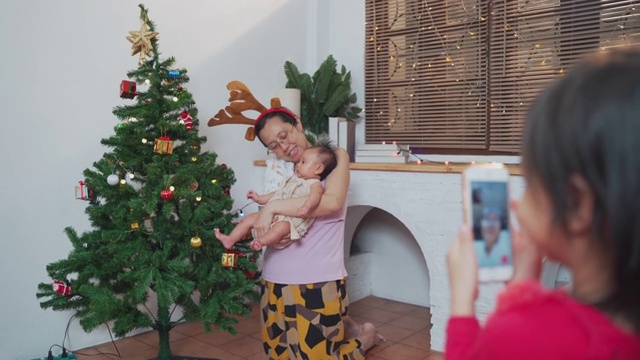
{"type": "Point", "coordinates": [61, 65]}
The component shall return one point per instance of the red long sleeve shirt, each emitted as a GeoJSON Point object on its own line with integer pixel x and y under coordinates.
{"type": "Point", "coordinates": [531, 323]}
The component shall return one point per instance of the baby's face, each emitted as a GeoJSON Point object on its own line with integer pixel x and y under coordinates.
{"type": "Point", "coordinates": [309, 165]}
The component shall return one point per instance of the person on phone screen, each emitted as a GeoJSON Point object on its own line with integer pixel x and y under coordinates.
{"type": "Point", "coordinates": [580, 161]}
{"type": "Point", "coordinates": [493, 248]}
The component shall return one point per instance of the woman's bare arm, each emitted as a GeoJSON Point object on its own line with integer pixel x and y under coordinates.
{"type": "Point", "coordinates": [333, 199]}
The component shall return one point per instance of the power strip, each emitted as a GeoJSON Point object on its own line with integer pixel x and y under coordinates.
{"type": "Point", "coordinates": [70, 356]}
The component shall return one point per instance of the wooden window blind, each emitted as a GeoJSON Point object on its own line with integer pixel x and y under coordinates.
{"type": "Point", "coordinates": [457, 76]}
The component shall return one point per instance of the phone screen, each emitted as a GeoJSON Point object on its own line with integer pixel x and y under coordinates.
{"type": "Point", "coordinates": [489, 210]}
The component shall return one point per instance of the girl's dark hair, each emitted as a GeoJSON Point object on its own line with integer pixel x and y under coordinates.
{"type": "Point", "coordinates": [327, 153]}
{"type": "Point", "coordinates": [263, 120]}
{"type": "Point", "coordinates": [588, 124]}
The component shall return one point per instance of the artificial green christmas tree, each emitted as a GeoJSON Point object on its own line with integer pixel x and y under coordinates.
{"type": "Point", "coordinates": [153, 201]}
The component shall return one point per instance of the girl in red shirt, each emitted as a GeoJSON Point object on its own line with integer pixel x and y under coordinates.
{"type": "Point", "coordinates": [581, 159]}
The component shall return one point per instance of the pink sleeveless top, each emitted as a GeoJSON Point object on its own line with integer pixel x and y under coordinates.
{"type": "Point", "coordinates": [317, 257]}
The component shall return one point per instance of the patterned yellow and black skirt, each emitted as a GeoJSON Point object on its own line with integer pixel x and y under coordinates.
{"type": "Point", "coordinates": [305, 322]}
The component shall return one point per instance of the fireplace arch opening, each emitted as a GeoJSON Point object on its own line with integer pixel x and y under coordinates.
{"type": "Point", "coordinates": [383, 258]}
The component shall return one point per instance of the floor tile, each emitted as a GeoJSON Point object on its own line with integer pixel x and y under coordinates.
{"type": "Point", "coordinates": [406, 327]}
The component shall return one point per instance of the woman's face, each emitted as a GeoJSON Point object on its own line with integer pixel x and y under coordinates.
{"type": "Point", "coordinates": [490, 225]}
{"type": "Point", "coordinates": [283, 139]}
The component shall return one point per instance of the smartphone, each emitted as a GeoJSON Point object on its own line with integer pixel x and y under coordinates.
{"type": "Point", "coordinates": [486, 207]}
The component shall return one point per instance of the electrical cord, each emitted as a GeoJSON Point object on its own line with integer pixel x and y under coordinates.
{"type": "Point", "coordinates": [65, 353]}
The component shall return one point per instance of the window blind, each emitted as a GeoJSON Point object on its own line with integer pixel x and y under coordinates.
{"type": "Point", "coordinates": [457, 76]}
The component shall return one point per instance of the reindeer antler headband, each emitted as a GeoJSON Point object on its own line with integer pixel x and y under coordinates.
{"type": "Point", "coordinates": [241, 99]}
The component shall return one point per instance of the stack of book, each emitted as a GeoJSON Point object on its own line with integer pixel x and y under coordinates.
{"type": "Point", "coordinates": [382, 153]}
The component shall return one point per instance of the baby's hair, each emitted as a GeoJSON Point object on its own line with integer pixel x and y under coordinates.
{"type": "Point", "coordinates": [588, 125]}
{"type": "Point", "coordinates": [327, 154]}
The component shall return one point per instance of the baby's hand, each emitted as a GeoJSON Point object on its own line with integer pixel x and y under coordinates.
{"type": "Point", "coordinates": [255, 245]}
{"type": "Point", "coordinates": [253, 195]}
{"type": "Point", "coordinates": [303, 211]}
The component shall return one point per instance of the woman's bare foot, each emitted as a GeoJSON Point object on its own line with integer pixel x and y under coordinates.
{"type": "Point", "coordinates": [370, 337]}
{"type": "Point", "coordinates": [226, 240]}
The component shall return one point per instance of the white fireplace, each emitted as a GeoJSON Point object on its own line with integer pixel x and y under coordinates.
{"type": "Point", "coordinates": [399, 226]}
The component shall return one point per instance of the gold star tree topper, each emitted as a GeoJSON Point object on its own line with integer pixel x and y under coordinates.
{"type": "Point", "coordinates": [141, 41]}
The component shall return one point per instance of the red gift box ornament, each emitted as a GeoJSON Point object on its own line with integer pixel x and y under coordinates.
{"type": "Point", "coordinates": [61, 288]}
{"type": "Point", "coordinates": [187, 120]}
{"type": "Point", "coordinates": [128, 89]}
{"type": "Point", "coordinates": [83, 192]}
{"type": "Point", "coordinates": [163, 145]}
{"type": "Point", "coordinates": [166, 194]}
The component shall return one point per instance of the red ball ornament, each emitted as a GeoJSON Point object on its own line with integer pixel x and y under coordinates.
{"type": "Point", "coordinates": [166, 194]}
{"type": "Point", "coordinates": [187, 120]}
{"type": "Point", "coordinates": [61, 288]}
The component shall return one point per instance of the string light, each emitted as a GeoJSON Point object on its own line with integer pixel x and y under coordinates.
{"type": "Point", "coordinates": [470, 19]}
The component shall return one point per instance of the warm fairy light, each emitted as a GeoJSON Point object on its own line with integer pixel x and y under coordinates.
{"type": "Point", "coordinates": [198, 198]}
{"type": "Point", "coordinates": [561, 71]}
{"type": "Point", "coordinates": [371, 38]}
{"type": "Point", "coordinates": [194, 159]}
{"type": "Point", "coordinates": [144, 141]}
{"type": "Point", "coordinates": [123, 181]}
{"type": "Point", "coordinates": [214, 181]}
{"type": "Point", "coordinates": [172, 188]}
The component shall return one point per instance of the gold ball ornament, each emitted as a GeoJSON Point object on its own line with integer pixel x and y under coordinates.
{"type": "Point", "coordinates": [196, 242]}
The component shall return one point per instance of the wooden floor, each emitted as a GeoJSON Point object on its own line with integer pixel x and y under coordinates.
{"type": "Point", "coordinates": [405, 326]}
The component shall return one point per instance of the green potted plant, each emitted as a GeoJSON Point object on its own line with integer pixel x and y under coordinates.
{"type": "Point", "coordinates": [325, 94]}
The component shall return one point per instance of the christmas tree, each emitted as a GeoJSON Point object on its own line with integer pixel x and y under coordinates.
{"type": "Point", "coordinates": [153, 201]}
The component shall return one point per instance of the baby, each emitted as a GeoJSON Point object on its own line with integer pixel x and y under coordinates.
{"type": "Point", "coordinates": [314, 165]}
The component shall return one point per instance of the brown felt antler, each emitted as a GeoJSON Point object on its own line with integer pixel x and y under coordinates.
{"type": "Point", "coordinates": [240, 100]}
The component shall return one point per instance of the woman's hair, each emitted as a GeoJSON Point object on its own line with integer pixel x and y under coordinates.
{"type": "Point", "coordinates": [327, 154]}
{"type": "Point", "coordinates": [588, 124]}
{"type": "Point", "coordinates": [285, 115]}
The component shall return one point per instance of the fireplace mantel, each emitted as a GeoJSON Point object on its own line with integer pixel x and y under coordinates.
{"type": "Point", "coordinates": [413, 167]}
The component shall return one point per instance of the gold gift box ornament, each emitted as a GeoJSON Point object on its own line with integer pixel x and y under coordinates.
{"type": "Point", "coordinates": [163, 145]}
{"type": "Point", "coordinates": [230, 258]}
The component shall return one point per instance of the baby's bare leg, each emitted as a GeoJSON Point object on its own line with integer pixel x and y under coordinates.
{"type": "Point", "coordinates": [238, 232]}
{"type": "Point", "coordinates": [276, 233]}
